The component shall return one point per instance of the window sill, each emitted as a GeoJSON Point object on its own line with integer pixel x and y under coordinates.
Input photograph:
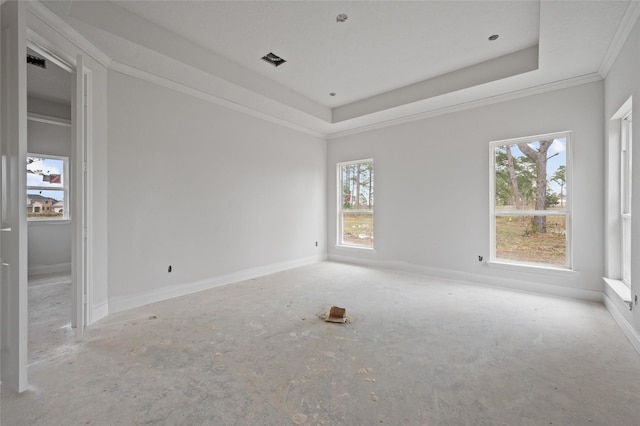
{"type": "Point", "coordinates": [534, 269]}
{"type": "Point", "coordinates": [38, 222]}
{"type": "Point", "coordinates": [355, 247]}
{"type": "Point", "coordinates": [620, 289]}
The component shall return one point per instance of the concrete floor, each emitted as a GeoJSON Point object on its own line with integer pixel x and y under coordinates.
{"type": "Point", "coordinates": [417, 351]}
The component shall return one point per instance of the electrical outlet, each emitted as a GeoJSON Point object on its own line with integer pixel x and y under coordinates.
{"type": "Point", "coordinates": [316, 244]}
{"type": "Point", "coordinates": [169, 270]}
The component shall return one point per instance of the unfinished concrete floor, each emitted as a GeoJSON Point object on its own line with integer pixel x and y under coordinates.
{"type": "Point", "coordinates": [417, 351]}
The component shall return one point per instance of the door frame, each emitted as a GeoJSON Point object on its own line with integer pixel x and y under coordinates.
{"type": "Point", "coordinates": [14, 308]}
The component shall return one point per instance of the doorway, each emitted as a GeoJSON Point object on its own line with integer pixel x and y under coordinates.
{"type": "Point", "coordinates": [49, 156]}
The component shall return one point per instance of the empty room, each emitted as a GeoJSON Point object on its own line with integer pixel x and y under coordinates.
{"type": "Point", "coordinates": [319, 212]}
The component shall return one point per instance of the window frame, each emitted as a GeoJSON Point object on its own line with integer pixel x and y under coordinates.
{"type": "Point", "coordinates": [567, 213]}
{"type": "Point", "coordinates": [340, 212]}
{"type": "Point", "coordinates": [64, 188]}
{"type": "Point", "coordinates": [626, 182]}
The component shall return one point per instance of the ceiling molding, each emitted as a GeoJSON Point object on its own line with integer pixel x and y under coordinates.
{"type": "Point", "coordinates": [512, 64]}
{"type": "Point", "coordinates": [208, 97]}
{"type": "Point", "coordinates": [622, 34]}
{"type": "Point", "coordinates": [47, 16]}
{"type": "Point", "coordinates": [544, 88]}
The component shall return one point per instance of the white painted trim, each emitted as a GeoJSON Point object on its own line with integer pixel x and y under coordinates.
{"type": "Point", "coordinates": [96, 313]}
{"type": "Point", "coordinates": [619, 39]}
{"type": "Point", "coordinates": [620, 289]}
{"type": "Point", "coordinates": [48, 119]}
{"type": "Point", "coordinates": [35, 270]}
{"type": "Point", "coordinates": [622, 322]}
{"type": "Point", "coordinates": [119, 304]}
{"type": "Point", "coordinates": [533, 268]}
{"type": "Point", "coordinates": [208, 97]}
{"type": "Point", "coordinates": [488, 281]}
{"type": "Point", "coordinates": [518, 94]}
{"type": "Point", "coordinates": [65, 30]}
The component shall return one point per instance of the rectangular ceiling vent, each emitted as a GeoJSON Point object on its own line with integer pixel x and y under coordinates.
{"type": "Point", "coordinates": [273, 59]}
{"type": "Point", "coordinates": [34, 60]}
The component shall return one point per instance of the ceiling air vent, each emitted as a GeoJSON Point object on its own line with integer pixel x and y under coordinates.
{"type": "Point", "coordinates": [34, 60]}
{"type": "Point", "coordinates": [273, 59]}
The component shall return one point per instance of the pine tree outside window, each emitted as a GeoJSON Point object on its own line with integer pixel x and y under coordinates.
{"type": "Point", "coordinates": [355, 203]}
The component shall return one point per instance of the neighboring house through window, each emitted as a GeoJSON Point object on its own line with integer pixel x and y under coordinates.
{"type": "Point", "coordinates": [355, 203]}
{"type": "Point", "coordinates": [531, 200]}
{"type": "Point", "coordinates": [47, 187]}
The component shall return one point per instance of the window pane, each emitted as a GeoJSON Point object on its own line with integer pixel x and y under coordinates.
{"type": "Point", "coordinates": [357, 229]}
{"type": "Point", "coordinates": [531, 175]}
{"type": "Point", "coordinates": [45, 172]}
{"type": "Point", "coordinates": [356, 189]}
{"type": "Point", "coordinates": [518, 240]}
{"type": "Point", "coordinates": [45, 204]}
{"type": "Point", "coordinates": [626, 249]}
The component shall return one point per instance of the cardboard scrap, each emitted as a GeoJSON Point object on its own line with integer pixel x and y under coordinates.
{"type": "Point", "coordinates": [337, 314]}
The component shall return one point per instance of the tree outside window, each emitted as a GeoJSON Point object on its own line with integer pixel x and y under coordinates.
{"type": "Point", "coordinates": [355, 207]}
{"type": "Point", "coordinates": [530, 200]}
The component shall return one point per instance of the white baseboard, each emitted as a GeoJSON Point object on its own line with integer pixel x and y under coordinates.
{"type": "Point", "coordinates": [98, 312]}
{"type": "Point", "coordinates": [123, 303]}
{"type": "Point", "coordinates": [623, 323]}
{"type": "Point", "coordinates": [49, 269]}
{"type": "Point", "coordinates": [489, 281]}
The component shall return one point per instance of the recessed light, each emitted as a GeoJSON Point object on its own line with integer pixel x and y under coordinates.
{"type": "Point", "coordinates": [342, 17]}
{"type": "Point", "coordinates": [273, 59]}
{"type": "Point", "coordinates": [494, 37]}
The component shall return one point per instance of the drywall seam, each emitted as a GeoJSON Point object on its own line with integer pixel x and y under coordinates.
{"type": "Point", "coordinates": [123, 303]}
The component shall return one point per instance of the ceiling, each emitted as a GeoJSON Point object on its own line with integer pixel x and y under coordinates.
{"type": "Point", "coordinates": [51, 84]}
{"type": "Point", "coordinates": [388, 60]}
{"type": "Point", "coordinates": [380, 47]}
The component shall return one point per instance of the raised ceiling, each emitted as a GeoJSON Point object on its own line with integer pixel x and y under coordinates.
{"type": "Point", "coordinates": [388, 60]}
{"type": "Point", "coordinates": [382, 46]}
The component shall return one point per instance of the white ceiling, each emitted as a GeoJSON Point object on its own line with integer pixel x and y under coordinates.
{"type": "Point", "coordinates": [389, 60]}
{"type": "Point", "coordinates": [51, 84]}
{"type": "Point", "coordinates": [382, 46]}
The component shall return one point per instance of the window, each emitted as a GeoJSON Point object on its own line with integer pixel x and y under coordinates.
{"type": "Point", "coordinates": [531, 200]}
{"type": "Point", "coordinates": [355, 204]}
{"type": "Point", "coordinates": [47, 187]}
{"type": "Point", "coordinates": [625, 196]}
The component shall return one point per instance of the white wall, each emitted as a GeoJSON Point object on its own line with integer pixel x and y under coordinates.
{"type": "Point", "coordinates": [210, 191]}
{"type": "Point", "coordinates": [432, 189]}
{"type": "Point", "coordinates": [49, 243]}
{"type": "Point", "coordinates": [622, 82]}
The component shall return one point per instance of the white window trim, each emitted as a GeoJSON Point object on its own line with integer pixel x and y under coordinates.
{"type": "Point", "coordinates": [339, 227]}
{"type": "Point", "coordinates": [530, 266]}
{"type": "Point", "coordinates": [65, 188]}
{"type": "Point", "coordinates": [626, 165]}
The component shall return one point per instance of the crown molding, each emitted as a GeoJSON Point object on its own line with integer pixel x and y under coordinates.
{"type": "Point", "coordinates": [208, 97]}
{"type": "Point", "coordinates": [58, 24]}
{"type": "Point", "coordinates": [544, 88]}
{"type": "Point", "coordinates": [622, 34]}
